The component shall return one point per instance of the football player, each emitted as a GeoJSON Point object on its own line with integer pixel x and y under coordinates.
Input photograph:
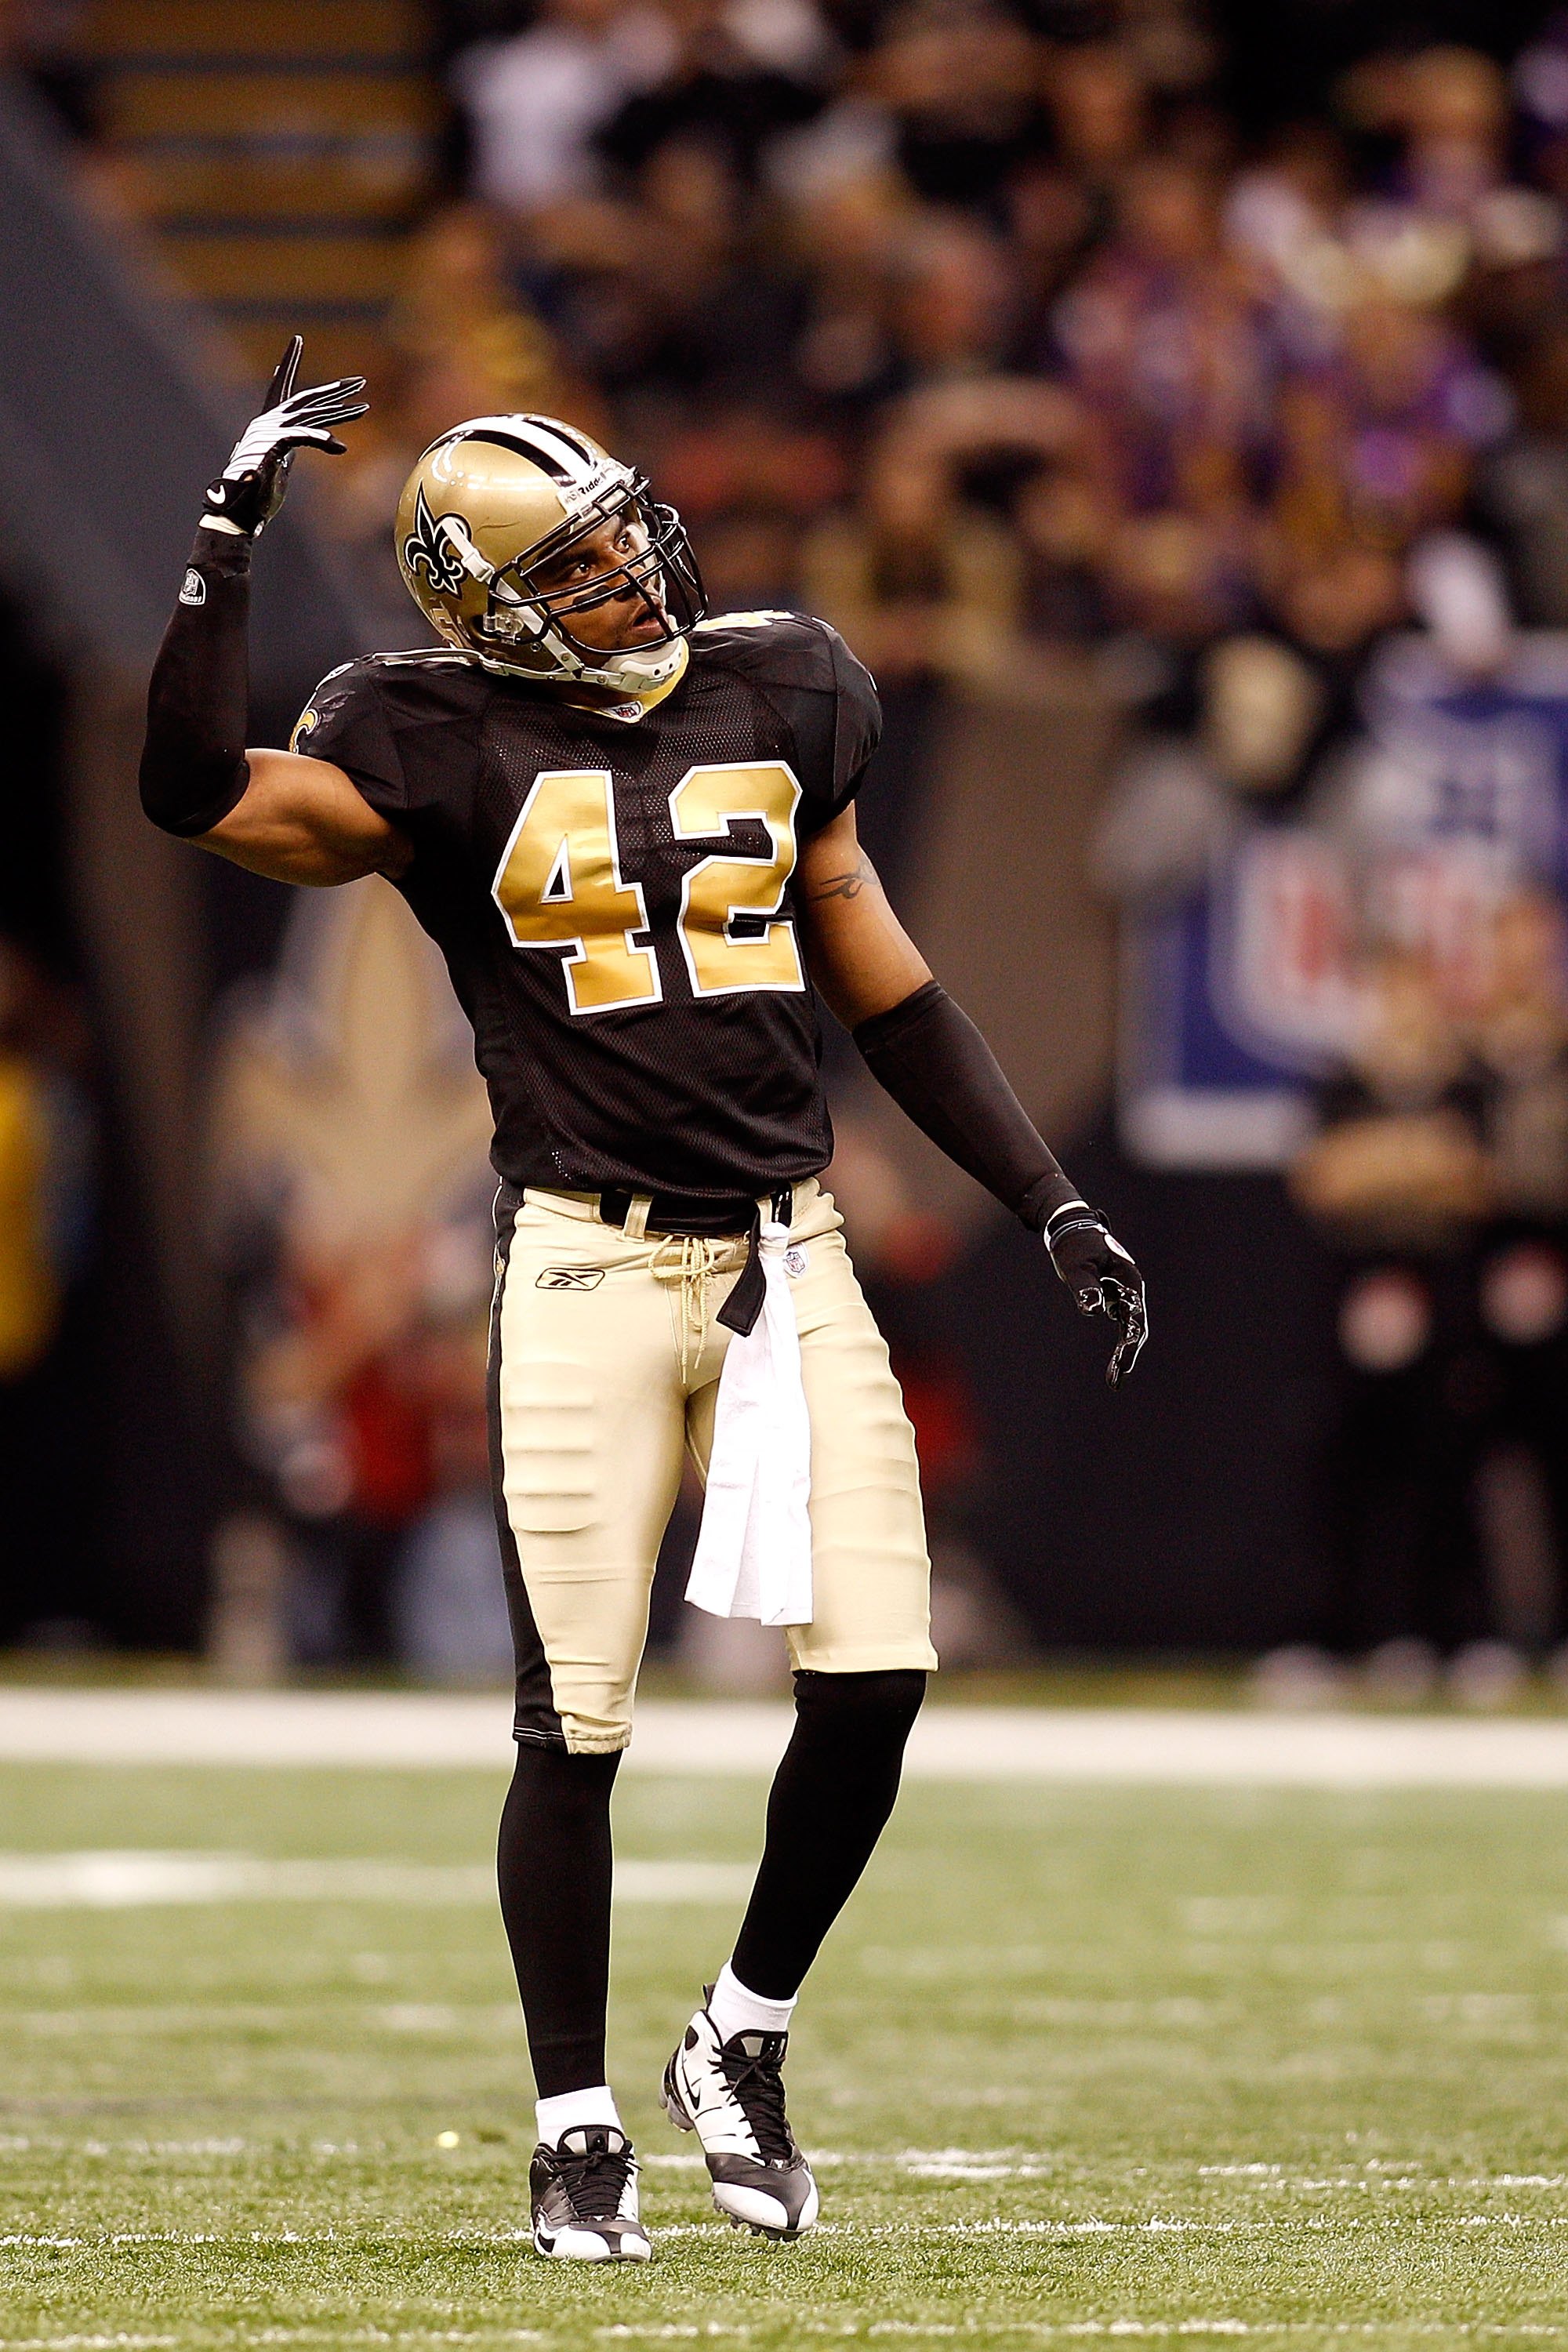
{"type": "Point", "coordinates": [631, 831]}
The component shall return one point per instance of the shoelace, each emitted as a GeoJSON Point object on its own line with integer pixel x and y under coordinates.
{"type": "Point", "coordinates": [758, 2085]}
{"type": "Point", "coordinates": [593, 2181]}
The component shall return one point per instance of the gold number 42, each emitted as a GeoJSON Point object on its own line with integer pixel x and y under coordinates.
{"type": "Point", "coordinates": [560, 885]}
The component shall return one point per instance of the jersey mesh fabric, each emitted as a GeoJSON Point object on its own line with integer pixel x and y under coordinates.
{"type": "Point", "coordinates": [706, 1094]}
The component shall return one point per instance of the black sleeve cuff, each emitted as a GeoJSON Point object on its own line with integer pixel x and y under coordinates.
{"type": "Point", "coordinates": [188, 824]}
{"type": "Point", "coordinates": [1041, 1202]}
{"type": "Point", "coordinates": [887, 1028]}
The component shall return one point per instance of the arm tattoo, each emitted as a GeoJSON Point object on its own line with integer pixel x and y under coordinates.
{"type": "Point", "coordinates": [847, 885]}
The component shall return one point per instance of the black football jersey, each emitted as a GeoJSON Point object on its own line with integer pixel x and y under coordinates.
{"type": "Point", "coordinates": [617, 902]}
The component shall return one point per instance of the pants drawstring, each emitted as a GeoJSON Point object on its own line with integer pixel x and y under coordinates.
{"type": "Point", "coordinates": [690, 1260]}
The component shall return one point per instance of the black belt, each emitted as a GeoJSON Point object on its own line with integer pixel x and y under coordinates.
{"type": "Point", "coordinates": [675, 1213]}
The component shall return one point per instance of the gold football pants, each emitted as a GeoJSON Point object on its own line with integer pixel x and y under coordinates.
{"type": "Point", "coordinates": [605, 1361]}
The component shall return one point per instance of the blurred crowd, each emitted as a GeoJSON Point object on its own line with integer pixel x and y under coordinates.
{"type": "Point", "coordinates": [992, 332]}
{"type": "Point", "coordinates": [1000, 347]}
{"type": "Point", "coordinates": [1003, 347]}
{"type": "Point", "coordinates": [980, 340]}
{"type": "Point", "coordinates": [1345, 958]}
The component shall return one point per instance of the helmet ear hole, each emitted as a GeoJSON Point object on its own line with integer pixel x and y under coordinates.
{"type": "Point", "coordinates": [511, 619]}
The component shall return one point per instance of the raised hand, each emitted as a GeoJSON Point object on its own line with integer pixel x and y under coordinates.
{"type": "Point", "coordinates": [249, 492]}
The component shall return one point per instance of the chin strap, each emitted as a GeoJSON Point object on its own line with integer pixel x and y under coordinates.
{"type": "Point", "coordinates": [627, 682]}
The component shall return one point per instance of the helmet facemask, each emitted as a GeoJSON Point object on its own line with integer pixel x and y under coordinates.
{"type": "Point", "coordinates": [522, 614]}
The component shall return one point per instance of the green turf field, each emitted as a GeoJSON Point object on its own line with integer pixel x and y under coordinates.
{"type": "Point", "coordinates": [1173, 2066]}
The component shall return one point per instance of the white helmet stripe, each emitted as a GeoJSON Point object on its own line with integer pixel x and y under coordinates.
{"type": "Point", "coordinates": [555, 451]}
{"type": "Point", "coordinates": [523, 444]}
{"type": "Point", "coordinates": [555, 445]}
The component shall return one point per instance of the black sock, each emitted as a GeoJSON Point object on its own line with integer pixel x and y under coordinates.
{"type": "Point", "coordinates": [830, 1801]}
{"type": "Point", "coordinates": [553, 1865]}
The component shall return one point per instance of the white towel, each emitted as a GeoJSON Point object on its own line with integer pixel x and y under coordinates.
{"type": "Point", "coordinates": [754, 1549]}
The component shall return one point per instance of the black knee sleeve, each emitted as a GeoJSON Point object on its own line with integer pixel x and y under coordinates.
{"type": "Point", "coordinates": [831, 1798]}
{"type": "Point", "coordinates": [553, 1865]}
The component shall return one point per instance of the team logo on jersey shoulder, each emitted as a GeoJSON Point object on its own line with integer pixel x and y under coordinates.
{"type": "Point", "coordinates": [429, 549]}
{"type": "Point", "coordinates": [569, 1277]}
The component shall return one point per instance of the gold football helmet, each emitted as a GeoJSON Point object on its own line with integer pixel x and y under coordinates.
{"type": "Point", "coordinates": [493, 501]}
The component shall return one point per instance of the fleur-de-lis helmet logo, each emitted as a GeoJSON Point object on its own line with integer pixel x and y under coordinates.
{"type": "Point", "coordinates": [429, 549]}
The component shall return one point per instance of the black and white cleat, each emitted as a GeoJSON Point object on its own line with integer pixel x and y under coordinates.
{"type": "Point", "coordinates": [584, 2192]}
{"type": "Point", "coordinates": [731, 2093]}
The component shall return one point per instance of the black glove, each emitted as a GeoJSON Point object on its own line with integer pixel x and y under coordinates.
{"type": "Point", "coordinates": [1103, 1279]}
{"type": "Point", "coordinates": [249, 490]}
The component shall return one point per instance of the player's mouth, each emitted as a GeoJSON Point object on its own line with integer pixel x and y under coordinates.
{"type": "Point", "coordinates": [645, 621]}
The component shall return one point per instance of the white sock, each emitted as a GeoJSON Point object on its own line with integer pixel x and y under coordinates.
{"type": "Point", "coordinates": [570, 2110]}
{"type": "Point", "coordinates": [734, 2010]}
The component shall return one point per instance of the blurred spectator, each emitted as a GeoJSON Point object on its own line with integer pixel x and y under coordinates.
{"type": "Point", "coordinates": [924, 577]}
{"type": "Point", "coordinates": [1164, 339]}
{"type": "Point", "coordinates": [1446, 203]}
{"type": "Point", "coordinates": [47, 1164]}
{"type": "Point", "coordinates": [1539, 90]}
{"type": "Point", "coordinates": [1398, 1177]}
{"type": "Point", "coordinates": [364, 1399]}
{"type": "Point", "coordinates": [1099, 116]}
{"type": "Point", "coordinates": [1400, 1161]}
{"type": "Point", "coordinates": [744, 206]}
{"type": "Point", "coordinates": [353, 1191]}
{"type": "Point", "coordinates": [536, 102]}
{"type": "Point", "coordinates": [1377, 440]}
{"type": "Point", "coordinates": [740, 72]}
{"type": "Point", "coordinates": [29, 1289]}
{"type": "Point", "coordinates": [1523, 489]}
{"type": "Point", "coordinates": [1440, 1168]}
{"type": "Point", "coordinates": [962, 81]}
{"type": "Point", "coordinates": [462, 336]}
{"type": "Point", "coordinates": [1237, 925]}
{"type": "Point", "coordinates": [1282, 217]}
{"type": "Point", "coordinates": [1520, 1033]}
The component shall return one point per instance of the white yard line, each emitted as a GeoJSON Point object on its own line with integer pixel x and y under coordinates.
{"type": "Point", "coordinates": [893, 2330]}
{"type": "Point", "coordinates": [113, 1880]}
{"type": "Point", "coordinates": [418, 1731]}
{"type": "Point", "coordinates": [1520, 2226]}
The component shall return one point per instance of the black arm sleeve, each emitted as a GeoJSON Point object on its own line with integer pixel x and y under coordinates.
{"type": "Point", "coordinates": [943, 1074]}
{"type": "Point", "coordinates": [193, 762]}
